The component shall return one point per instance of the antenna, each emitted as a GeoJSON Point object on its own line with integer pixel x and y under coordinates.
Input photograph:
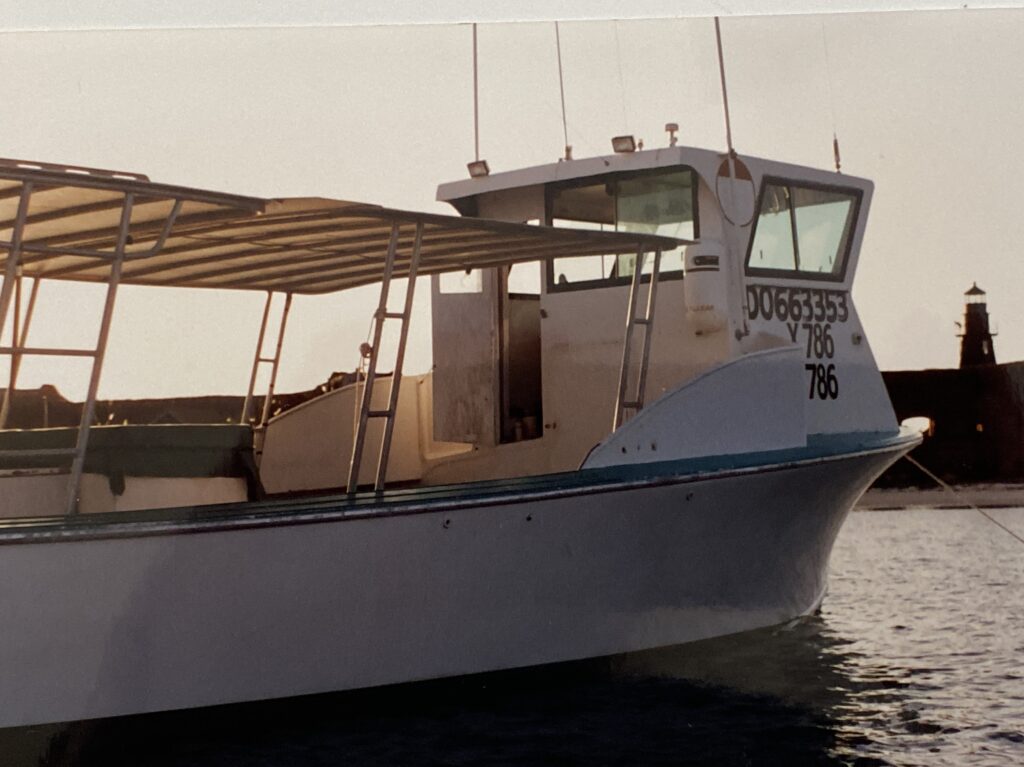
{"type": "Point", "coordinates": [478, 168]}
{"type": "Point", "coordinates": [725, 92]}
{"type": "Point", "coordinates": [622, 83]}
{"type": "Point", "coordinates": [831, 100]}
{"type": "Point", "coordinates": [476, 103]}
{"type": "Point", "coordinates": [561, 90]}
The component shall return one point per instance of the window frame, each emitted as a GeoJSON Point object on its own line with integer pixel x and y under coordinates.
{"type": "Point", "coordinates": [550, 286]}
{"type": "Point", "coordinates": [797, 274]}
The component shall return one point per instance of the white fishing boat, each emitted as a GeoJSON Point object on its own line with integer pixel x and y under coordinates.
{"type": "Point", "coordinates": [631, 438]}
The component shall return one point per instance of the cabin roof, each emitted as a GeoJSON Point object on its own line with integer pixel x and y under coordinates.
{"type": "Point", "coordinates": [706, 162]}
{"type": "Point", "coordinates": [577, 169]}
{"type": "Point", "coordinates": [185, 237]}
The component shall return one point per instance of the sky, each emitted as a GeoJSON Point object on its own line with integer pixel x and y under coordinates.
{"type": "Point", "coordinates": [131, 14]}
{"type": "Point", "coordinates": [928, 104]}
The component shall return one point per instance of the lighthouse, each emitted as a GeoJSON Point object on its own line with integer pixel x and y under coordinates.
{"type": "Point", "coordinates": [976, 338]}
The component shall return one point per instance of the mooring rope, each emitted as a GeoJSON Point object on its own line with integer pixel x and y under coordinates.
{"type": "Point", "coordinates": [954, 491]}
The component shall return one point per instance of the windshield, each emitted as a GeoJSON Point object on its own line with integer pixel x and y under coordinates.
{"type": "Point", "coordinates": [803, 229]}
{"type": "Point", "coordinates": [655, 203]}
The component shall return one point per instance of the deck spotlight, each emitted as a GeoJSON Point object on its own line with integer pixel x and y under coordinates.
{"type": "Point", "coordinates": [478, 169]}
{"type": "Point", "coordinates": [672, 129]}
{"type": "Point", "coordinates": [623, 144]}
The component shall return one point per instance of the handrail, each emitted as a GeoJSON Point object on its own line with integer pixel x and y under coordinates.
{"type": "Point", "coordinates": [366, 411]}
{"type": "Point", "coordinates": [11, 290]}
{"type": "Point", "coordinates": [647, 322]}
{"type": "Point", "coordinates": [89, 407]}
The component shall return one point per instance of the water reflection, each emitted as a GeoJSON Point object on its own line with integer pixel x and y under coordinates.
{"type": "Point", "coordinates": [770, 697]}
{"type": "Point", "coordinates": [805, 674]}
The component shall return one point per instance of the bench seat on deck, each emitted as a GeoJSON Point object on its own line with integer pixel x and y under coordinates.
{"type": "Point", "coordinates": [158, 450]}
{"type": "Point", "coordinates": [128, 467]}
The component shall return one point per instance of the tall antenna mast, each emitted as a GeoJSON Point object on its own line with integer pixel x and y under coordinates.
{"type": "Point", "coordinates": [478, 167]}
{"type": "Point", "coordinates": [831, 100]}
{"type": "Point", "coordinates": [476, 102]}
{"type": "Point", "coordinates": [725, 92]}
{"type": "Point", "coordinates": [561, 91]}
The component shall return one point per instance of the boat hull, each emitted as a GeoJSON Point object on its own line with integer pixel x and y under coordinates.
{"type": "Point", "coordinates": [124, 622]}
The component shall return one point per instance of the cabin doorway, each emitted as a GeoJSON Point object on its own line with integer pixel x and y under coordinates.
{"type": "Point", "coordinates": [521, 415]}
{"type": "Point", "coordinates": [487, 355]}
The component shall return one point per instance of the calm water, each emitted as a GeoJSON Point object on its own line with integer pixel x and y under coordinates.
{"type": "Point", "coordinates": [917, 658]}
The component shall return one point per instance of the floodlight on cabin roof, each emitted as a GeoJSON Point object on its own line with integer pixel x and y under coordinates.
{"type": "Point", "coordinates": [623, 144]}
{"type": "Point", "coordinates": [478, 169]}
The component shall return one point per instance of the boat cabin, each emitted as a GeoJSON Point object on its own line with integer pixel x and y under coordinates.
{"type": "Point", "coordinates": [535, 352]}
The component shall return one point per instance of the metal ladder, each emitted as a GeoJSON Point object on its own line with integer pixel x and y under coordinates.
{"type": "Point", "coordinates": [11, 291]}
{"type": "Point", "coordinates": [20, 338]}
{"type": "Point", "coordinates": [366, 412]}
{"type": "Point", "coordinates": [632, 320]}
{"type": "Point", "coordinates": [259, 359]}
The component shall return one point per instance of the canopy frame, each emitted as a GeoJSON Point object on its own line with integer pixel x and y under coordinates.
{"type": "Point", "coordinates": [11, 289]}
{"type": "Point", "coordinates": [259, 359]}
{"type": "Point", "coordinates": [111, 228]}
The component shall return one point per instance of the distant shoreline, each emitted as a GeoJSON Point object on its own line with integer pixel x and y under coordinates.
{"type": "Point", "coordinates": [985, 496]}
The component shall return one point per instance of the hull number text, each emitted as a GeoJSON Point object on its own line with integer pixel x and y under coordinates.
{"type": "Point", "coordinates": [773, 302]}
{"type": "Point", "coordinates": [810, 315]}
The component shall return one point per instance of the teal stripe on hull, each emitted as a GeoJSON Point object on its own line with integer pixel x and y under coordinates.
{"type": "Point", "coordinates": [439, 497]}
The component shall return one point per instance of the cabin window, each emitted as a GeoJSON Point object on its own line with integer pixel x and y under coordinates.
{"type": "Point", "coordinates": [803, 230]}
{"type": "Point", "coordinates": [663, 203]}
